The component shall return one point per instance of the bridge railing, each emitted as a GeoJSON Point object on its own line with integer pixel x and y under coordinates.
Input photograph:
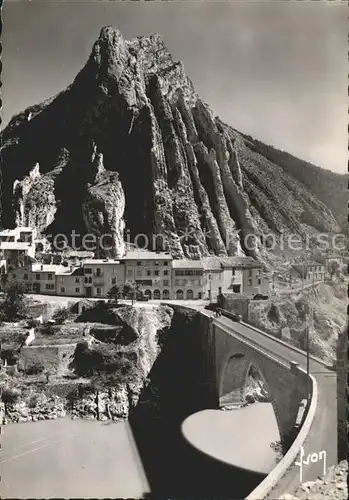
{"type": "Point", "coordinates": [256, 346]}
{"type": "Point", "coordinates": [237, 318]}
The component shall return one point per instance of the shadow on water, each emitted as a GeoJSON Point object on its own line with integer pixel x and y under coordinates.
{"type": "Point", "coordinates": [178, 388]}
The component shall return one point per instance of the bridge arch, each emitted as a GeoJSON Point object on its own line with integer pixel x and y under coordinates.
{"type": "Point", "coordinates": [235, 376]}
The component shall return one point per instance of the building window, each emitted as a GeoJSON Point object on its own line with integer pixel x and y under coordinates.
{"type": "Point", "coordinates": [77, 280]}
{"type": "Point", "coordinates": [165, 264]}
{"type": "Point", "coordinates": [113, 281]}
{"type": "Point", "coordinates": [148, 293]}
{"type": "Point", "coordinates": [250, 272]}
{"type": "Point", "coordinates": [250, 281]}
{"type": "Point", "coordinates": [156, 263]}
{"type": "Point", "coordinates": [179, 295]}
{"type": "Point", "coordinates": [77, 290]}
{"type": "Point", "coordinates": [165, 273]}
{"type": "Point", "coordinates": [233, 271]}
{"type": "Point", "coordinates": [139, 272]}
{"type": "Point", "coordinates": [38, 277]}
{"type": "Point", "coordinates": [50, 276]}
{"type": "Point", "coordinates": [166, 294]}
{"type": "Point", "coordinates": [98, 271]}
{"type": "Point", "coordinates": [49, 286]}
{"type": "Point", "coordinates": [129, 272]}
{"type": "Point", "coordinates": [259, 281]}
{"type": "Point", "coordinates": [99, 291]}
{"type": "Point", "coordinates": [62, 289]}
{"type": "Point", "coordinates": [88, 270]}
{"type": "Point", "coordinates": [166, 283]}
{"type": "Point", "coordinates": [156, 273]}
{"type": "Point", "coordinates": [148, 273]}
{"type": "Point", "coordinates": [139, 263]}
{"type": "Point", "coordinates": [25, 276]}
{"type": "Point", "coordinates": [177, 282]}
{"type": "Point", "coordinates": [157, 294]}
{"type": "Point", "coordinates": [190, 294]}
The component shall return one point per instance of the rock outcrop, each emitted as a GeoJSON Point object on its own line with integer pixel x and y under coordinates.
{"type": "Point", "coordinates": [332, 486]}
{"type": "Point", "coordinates": [130, 144]}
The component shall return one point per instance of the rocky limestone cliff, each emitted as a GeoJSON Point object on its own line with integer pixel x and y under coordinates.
{"type": "Point", "coordinates": [283, 316]}
{"type": "Point", "coordinates": [130, 144]}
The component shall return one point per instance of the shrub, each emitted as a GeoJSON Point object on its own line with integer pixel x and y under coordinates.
{"type": "Point", "coordinates": [10, 396]}
{"type": "Point", "coordinates": [33, 400]}
{"type": "Point", "coordinates": [273, 314]}
{"type": "Point", "coordinates": [34, 369]}
{"type": "Point", "coordinates": [47, 329]}
{"type": "Point", "coordinates": [14, 306]}
{"type": "Point", "coordinates": [61, 315]}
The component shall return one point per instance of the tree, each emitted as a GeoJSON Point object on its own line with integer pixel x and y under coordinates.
{"type": "Point", "coordinates": [114, 293]}
{"type": "Point", "coordinates": [61, 315]}
{"type": "Point", "coordinates": [9, 396]}
{"type": "Point", "coordinates": [130, 291]}
{"type": "Point", "coordinates": [333, 268]}
{"type": "Point", "coordinates": [14, 306]}
{"type": "Point", "coordinates": [35, 368]}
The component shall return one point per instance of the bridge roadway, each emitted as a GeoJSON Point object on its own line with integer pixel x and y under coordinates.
{"type": "Point", "coordinates": [323, 432]}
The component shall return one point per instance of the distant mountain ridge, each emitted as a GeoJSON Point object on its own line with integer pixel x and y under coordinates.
{"type": "Point", "coordinates": [130, 145]}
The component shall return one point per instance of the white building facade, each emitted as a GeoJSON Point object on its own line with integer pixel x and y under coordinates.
{"type": "Point", "coordinates": [151, 272]}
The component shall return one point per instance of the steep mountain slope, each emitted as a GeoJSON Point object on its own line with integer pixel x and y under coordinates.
{"type": "Point", "coordinates": [129, 144]}
{"type": "Point", "coordinates": [327, 186]}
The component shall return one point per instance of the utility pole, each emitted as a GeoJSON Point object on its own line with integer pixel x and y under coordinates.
{"type": "Point", "coordinates": [306, 335]}
{"type": "Point", "coordinates": [308, 358]}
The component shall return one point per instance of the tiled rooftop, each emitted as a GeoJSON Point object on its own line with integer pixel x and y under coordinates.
{"type": "Point", "coordinates": [187, 264]}
{"type": "Point", "coordinates": [45, 268]}
{"type": "Point", "coordinates": [146, 255]}
{"type": "Point", "coordinates": [90, 262]}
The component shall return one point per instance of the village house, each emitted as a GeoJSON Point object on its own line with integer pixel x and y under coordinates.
{"type": "Point", "coordinates": [151, 271]}
{"type": "Point", "coordinates": [188, 279]}
{"type": "Point", "coordinates": [37, 278]}
{"type": "Point", "coordinates": [17, 248]}
{"type": "Point", "coordinates": [310, 271]}
{"type": "Point", "coordinates": [213, 277]}
{"type": "Point", "coordinates": [238, 275]}
{"type": "Point", "coordinates": [100, 275]}
{"type": "Point", "coordinates": [70, 281]}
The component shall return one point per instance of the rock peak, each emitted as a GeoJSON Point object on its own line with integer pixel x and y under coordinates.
{"type": "Point", "coordinates": [110, 33]}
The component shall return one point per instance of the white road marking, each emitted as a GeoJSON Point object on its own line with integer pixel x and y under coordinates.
{"type": "Point", "coordinates": [37, 440]}
{"type": "Point", "coordinates": [35, 449]}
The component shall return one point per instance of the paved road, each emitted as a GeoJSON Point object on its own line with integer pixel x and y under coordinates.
{"type": "Point", "coordinates": [67, 458]}
{"type": "Point", "coordinates": [323, 435]}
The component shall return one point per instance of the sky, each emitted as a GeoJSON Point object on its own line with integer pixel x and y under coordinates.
{"type": "Point", "coordinates": [274, 70]}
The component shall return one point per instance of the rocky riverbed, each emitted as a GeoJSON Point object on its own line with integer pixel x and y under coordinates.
{"type": "Point", "coordinates": [332, 486]}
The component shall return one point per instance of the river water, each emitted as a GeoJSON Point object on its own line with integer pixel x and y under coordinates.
{"type": "Point", "coordinates": [67, 458]}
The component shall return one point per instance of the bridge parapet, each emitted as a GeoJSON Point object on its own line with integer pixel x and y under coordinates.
{"type": "Point", "coordinates": [285, 382]}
